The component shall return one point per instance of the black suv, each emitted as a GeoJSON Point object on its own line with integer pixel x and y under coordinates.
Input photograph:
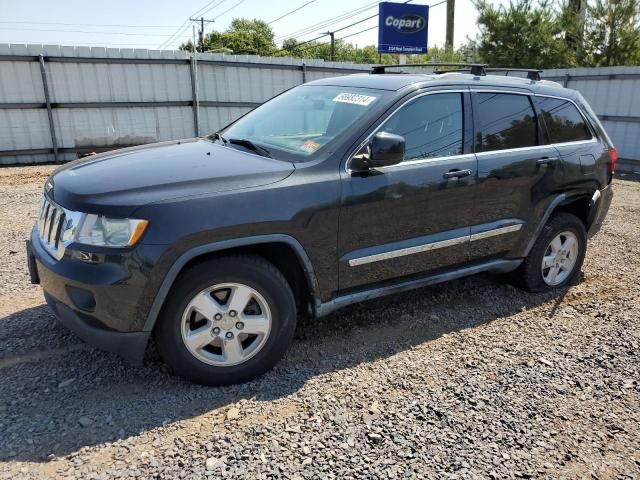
{"type": "Point", "coordinates": [334, 192]}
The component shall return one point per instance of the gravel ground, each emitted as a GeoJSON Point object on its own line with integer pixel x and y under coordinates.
{"type": "Point", "coordinates": [471, 379]}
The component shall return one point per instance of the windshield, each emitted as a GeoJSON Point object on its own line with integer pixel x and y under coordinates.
{"type": "Point", "coordinates": [301, 122]}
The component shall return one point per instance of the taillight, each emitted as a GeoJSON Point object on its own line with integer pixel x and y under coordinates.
{"type": "Point", "coordinates": [613, 157]}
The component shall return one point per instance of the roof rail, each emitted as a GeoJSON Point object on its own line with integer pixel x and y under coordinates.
{"type": "Point", "coordinates": [532, 73]}
{"type": "Point", "coordinates": [475, 68]}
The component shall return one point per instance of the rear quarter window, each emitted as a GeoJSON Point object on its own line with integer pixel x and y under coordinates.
{"type": "Point", "coordinates": [563, 120]}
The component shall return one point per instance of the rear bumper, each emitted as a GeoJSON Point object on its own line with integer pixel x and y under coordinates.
{"type": "Point", "coordinates": [97, 301]}
{"type": "Point", "coordinates": [599, 210]}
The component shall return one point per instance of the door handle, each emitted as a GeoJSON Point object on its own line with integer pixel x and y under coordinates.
{"type": "Point", "coordinates": [546, 160]}
{"type": "Point", "coordinates": [457, 173]}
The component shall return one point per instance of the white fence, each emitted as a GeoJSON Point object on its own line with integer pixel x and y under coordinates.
{"type": "Point", "coordinates": [59, 102]}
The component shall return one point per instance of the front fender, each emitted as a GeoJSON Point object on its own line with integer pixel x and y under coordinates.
{"type": "Point", "coordinates": [179, 263]}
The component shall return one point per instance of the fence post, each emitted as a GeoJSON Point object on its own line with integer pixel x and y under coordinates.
{"type": "Point", "coordinates": [47, 99]}
{"type": "Point", "coordinates": [566, 80]}
{"type": "Point", "coordinates": [304, 72]}
{"type": "Point", "coordinates": [193, 70]}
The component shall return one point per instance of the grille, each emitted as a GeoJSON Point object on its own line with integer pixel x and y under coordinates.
{"type": "Point", "coordinates": [50, 226]}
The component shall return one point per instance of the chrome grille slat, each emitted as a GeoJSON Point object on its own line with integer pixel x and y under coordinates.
{"type": "Point", "coordinates": [58, 231]}
{"type": "Point", "coordinates": [51, 222]}
{"type": "Point", "coordinates": [43, 216]}
{"type": "Point", "coordinates": [50, 228]}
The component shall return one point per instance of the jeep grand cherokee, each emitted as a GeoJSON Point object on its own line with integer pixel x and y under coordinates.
{"type": "Point", "coordinates": [334, 192]}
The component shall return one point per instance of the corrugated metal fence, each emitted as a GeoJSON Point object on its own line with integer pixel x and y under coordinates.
{"type": "Point", "coordinates": [59, 102]}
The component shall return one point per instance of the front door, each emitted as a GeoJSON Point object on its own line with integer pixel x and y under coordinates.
{"type": "Point", "coordinates": [412, 217]}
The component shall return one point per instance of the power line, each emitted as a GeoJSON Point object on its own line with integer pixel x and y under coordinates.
{"type": "Point", "coordinates": [220, 2]}
{"type": "Point", "coordinates": [303, 43]}
{"type": "Point", "coordinates": [229, 9]}
{"type": "Point", "coordinates": [343, 28]}
{"type": "Point", "coordinates": [292, 11]}
{"type": "Point", "coordinates": [180, 31]}
{"type": "Point", "coordinates": [327, 22]}
{"type": "Point", "coordinates": [358, 33]}
{"type": "Point", "coordinates": [351, 25]}
{"type": "Point", "coordinates": [101, 44]}
{"type": "Point", "coordinates": [88, 32]}
{"type": "Point", "coordinates": [375, 26]}
{"type": "Point", "coordinates": [88, 24]}
{"type": "Point", "coordinates": [360, 10]}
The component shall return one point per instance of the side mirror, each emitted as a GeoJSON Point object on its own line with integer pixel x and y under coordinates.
{"type": "Point", "coordinates": [383, 150]}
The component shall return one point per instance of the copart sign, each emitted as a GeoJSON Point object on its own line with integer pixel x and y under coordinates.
{"type": "Point", "coordinates": [402, 28]}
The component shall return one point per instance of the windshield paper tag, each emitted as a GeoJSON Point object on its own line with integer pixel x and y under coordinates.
{"type": "Point", "coordinates": [354, 98]}
{"type": "Point", "coordinates": [310, 146]}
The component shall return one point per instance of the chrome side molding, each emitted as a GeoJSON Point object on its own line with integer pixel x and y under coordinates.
{"type": "Point", "coordinates": [377, 257]}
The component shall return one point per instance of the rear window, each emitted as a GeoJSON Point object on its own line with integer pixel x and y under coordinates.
{"type": "Point", "coordinates": [564, 121]}
{"type": "Point", "coordinates": [504, 121]}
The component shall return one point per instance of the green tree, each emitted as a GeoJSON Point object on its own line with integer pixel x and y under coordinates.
{"type": "Point", "coordinates": [612, 33]}
{"type": "Point", "coordinates": [348, 52]}
{"type": "Point", "coordinates": [524, 34]}
{"type": "Point", "coordinates": [243, 37]}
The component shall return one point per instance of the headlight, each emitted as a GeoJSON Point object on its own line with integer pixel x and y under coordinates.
{"type": "Point", "coordinates": [109, 232]}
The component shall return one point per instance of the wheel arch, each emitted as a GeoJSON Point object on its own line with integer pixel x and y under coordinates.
{"type": "Point", "coordinates": [578, 203]}
{"type": "Point", "coordinates": [269, 247]}
{"type": "Point", "coordinates": [580, 206]}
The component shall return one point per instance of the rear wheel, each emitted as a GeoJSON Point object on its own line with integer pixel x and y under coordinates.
{"type": "Point", "coordinates": [227, 321]}
{"type": "Point", "coordinates": [556, 258]}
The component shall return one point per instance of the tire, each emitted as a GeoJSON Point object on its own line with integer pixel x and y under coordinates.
{"type": "Point", "coordinates": [246, 344]}
{"type": "Point", "coordinates": [532, 276]}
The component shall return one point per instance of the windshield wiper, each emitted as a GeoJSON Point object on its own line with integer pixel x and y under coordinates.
{"type": "Point", "coordinates": [249, 145]}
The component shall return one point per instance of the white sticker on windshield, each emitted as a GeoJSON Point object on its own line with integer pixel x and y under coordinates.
{"type": "Point", "coordinates": [354, 98]}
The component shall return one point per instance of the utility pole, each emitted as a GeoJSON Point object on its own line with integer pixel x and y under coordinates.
{"type": "Point", "coordinates": [333, 45]}
{"type": "Point", "coordinates": [201, 33]}
{"type": "Point", "coordinates": [451, 6]}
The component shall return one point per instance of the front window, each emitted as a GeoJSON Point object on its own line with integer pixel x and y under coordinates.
{"type": "Point", "coordinates": [301, 122]}
{"type": "Point", "coordinates": [431, 126]}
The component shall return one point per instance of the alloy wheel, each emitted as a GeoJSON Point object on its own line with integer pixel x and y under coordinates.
{"type": "Point", "coordinates": [226, 324]}
{"type": "Point", "coordinates": [560, 258]}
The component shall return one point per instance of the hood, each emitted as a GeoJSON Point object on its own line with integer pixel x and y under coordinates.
{"type": "Point", "coordinates": [117, 183]}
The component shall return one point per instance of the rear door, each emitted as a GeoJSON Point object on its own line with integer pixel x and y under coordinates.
{"type": "Point", "coordinates": [516, 172]}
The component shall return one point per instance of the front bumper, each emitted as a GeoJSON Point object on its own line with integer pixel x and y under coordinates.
{"type": "Point", "coordinates": [97, 301]}
{"type": "Point", "coordinates": [129, 345]}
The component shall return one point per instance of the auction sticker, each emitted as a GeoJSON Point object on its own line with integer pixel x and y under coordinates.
{"type": "Point", "coordinates": [310, 146]}
{"type": "Point", "coordinates": [354, 98]}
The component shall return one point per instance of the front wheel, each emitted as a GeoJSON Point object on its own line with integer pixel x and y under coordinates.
{"type": "Point", "coordinates": [556, 258]}
{"type": "Point", "coordinates": [227, 321]}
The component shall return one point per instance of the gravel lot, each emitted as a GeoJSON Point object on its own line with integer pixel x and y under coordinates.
{"type": "Point", "coordinates": [471, 379]}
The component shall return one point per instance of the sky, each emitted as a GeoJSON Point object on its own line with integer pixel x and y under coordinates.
{"type": "Point", "coordinates": [151, 24]}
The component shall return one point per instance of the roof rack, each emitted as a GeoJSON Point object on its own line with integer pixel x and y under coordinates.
{"type": "Point", "coordinates": [532, 73]}
{"type": "Point", "coordinates": [478, 69]}
{"type": "Point", "coordinates": [474, 68]}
